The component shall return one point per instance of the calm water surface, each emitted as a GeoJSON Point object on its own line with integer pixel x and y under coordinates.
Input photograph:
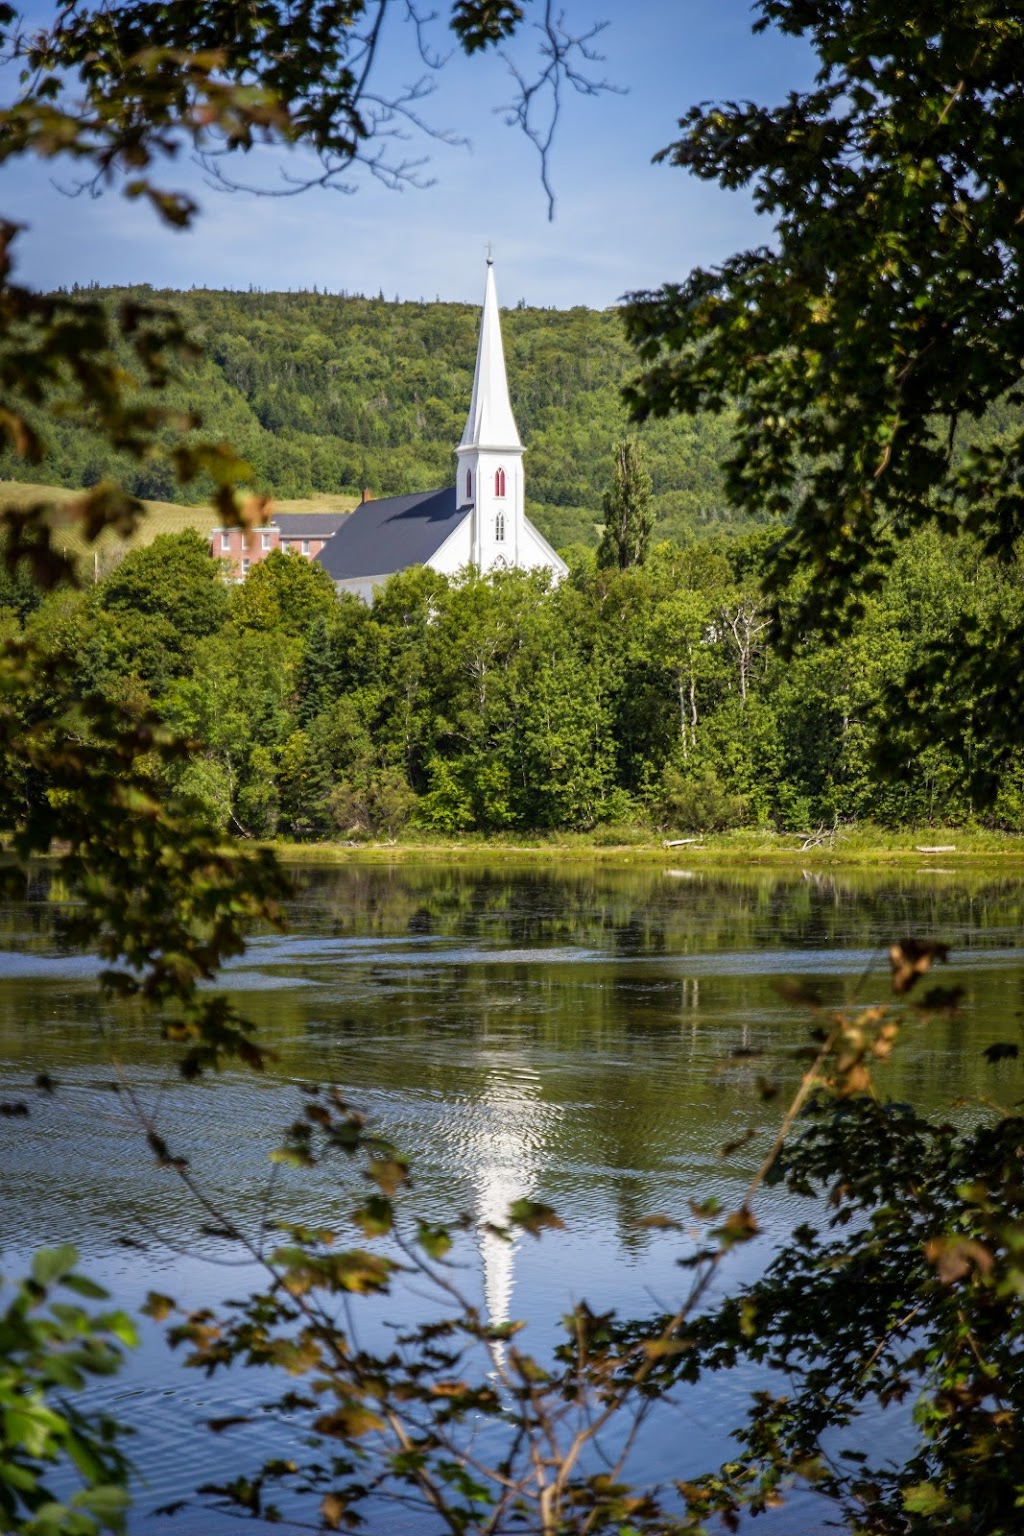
{"type": "Point", "coordinates": [563, 1034]}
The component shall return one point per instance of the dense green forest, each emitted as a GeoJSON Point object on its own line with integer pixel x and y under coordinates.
{"type": "Point", "coordinates": [325, 393]}
{"type": "Point", "coordinates": [649, 696]}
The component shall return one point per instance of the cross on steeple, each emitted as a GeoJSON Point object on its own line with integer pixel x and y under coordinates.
{"type": "Point", "coordinates": [490, 253]}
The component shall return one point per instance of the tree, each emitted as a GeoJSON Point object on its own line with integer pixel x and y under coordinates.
{"type": "Point", "coordinates": [628, 509]}
{"type": "Point", "coordinates": [679, 632]}
{"type": "Point", "coordinates": [911, 1289]}
{"type": "Point", "coordinates": [174, 579]}
{"type": "Point", "coordinates": [861, 348]}
{"type": "Point", "coordinates": [162, 903]}
{"type": "Point", "coordinates": [18, 593]}
{"type": "Point", "coordinates": [286, 592]}
{"type": "Point", "coordinates": [744, 622]}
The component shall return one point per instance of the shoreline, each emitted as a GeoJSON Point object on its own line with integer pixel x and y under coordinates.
{"type": "Point", "coordinates": [732, 850]}
{"type": "Point", "coordinates": [718, 851]}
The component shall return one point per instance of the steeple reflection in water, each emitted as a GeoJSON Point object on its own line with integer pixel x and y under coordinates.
{"type": "Point", "coordinates": [504, 1144]}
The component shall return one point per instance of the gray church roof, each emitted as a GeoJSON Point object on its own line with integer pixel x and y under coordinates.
{"type": "Point", "coordinates": [388, 534]}
{"type": "Point", "coordinates": [308, 525]}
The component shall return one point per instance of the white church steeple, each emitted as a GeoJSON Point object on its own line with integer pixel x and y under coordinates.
{"type": "Point", "coordinates": [490, 474]}
{"type": "Point", "coordinates": [479, 522]}
{"type": "Point", "coordinates": [490, 423]}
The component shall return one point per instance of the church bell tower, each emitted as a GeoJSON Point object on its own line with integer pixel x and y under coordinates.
{"type": "Point", "coordinates": [490, 455]}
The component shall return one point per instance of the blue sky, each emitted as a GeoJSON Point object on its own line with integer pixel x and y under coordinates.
{"type": "Point", "coordinates": [620, 222]}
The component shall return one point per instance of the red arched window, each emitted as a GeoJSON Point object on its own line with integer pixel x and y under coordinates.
{"type": "Point", "coordinates": [499, 482]}
{"type": "Point", "coordinates": [469, 483]}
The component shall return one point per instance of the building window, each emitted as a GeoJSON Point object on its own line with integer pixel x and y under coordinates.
{"type": "Point", "coordinates": [246, 541]}
{"type": "Point", "coordinates": [305, 546]}
{"type": "Point", "coordinates": [499, 527]}
{"type": "Point", "coordinates": [499, 482]}
{"type": "Point", "coordinates": [469, 484]}
{"type": "Point", "coordinates": [245, 567]}
{"type": "Point", "coordinates": [225, 541]}
{"type": "Point", "coordinates": [266, 541]}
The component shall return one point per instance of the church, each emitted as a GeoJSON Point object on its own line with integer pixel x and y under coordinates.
{"type": "Point", "coordinates": [480, 520]}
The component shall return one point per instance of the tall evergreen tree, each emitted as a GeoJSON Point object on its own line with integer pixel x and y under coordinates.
{"type": "Point", "coordinates": [312, 676]}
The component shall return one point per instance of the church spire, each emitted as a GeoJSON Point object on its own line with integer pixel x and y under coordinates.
{"type": "Point", "coordinates": [490, 423]}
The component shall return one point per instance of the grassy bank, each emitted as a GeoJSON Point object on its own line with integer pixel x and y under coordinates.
{"type": "Point", "coordinates": [161, 517]}
{"type": "Point", "coordinates": [861, 845]}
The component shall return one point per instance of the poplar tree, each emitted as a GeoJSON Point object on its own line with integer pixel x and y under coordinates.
{"type": "Point", "coordinates": [628, 509]}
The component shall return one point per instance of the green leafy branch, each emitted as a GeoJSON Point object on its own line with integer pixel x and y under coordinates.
{"type": "Point", "coordinates": [50, 1351]}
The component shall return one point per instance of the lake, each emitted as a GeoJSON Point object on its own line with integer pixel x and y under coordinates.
{"type": "Point", "coordinates": [566, 1033]}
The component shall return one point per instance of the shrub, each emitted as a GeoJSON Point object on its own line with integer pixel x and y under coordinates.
{"type": "Point", "coordinates": [702, 803]}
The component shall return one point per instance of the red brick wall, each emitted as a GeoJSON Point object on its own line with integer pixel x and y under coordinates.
{"type": "Point", "coordinates": [238, 545]}
{"type": "Point", "coordinates": [308, 548]}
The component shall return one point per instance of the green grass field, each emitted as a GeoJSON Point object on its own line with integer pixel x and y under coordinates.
{"type": "Point", "coordinates": [161, 517]}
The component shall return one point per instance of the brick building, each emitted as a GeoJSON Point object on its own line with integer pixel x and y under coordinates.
{"type": "Point", "coordinates": [305, 533]}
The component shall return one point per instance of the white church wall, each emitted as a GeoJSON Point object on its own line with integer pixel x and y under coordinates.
{"type": "Point", "coordinates": [490, 550]}
{"type": "Point", "coordinates": [456, 552]}
{"type": "Point", "coordinates": [536, 551]}
{"type": "Point", "coordinates": [362, 586]}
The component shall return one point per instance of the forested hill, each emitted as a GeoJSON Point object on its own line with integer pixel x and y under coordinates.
{"type": "Point", "coordinates": [326, 393]}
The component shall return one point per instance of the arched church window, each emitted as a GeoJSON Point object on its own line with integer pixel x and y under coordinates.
{"type": "Point", "coordinates": [469, 483]}
{"type": "Point", "coordinates": [499, 482]}
{"type": "Point", "coordinates": [499, 526]}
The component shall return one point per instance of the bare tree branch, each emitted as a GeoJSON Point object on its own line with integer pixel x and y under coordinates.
{"type": "Point", "coordinates": [538, 105]}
